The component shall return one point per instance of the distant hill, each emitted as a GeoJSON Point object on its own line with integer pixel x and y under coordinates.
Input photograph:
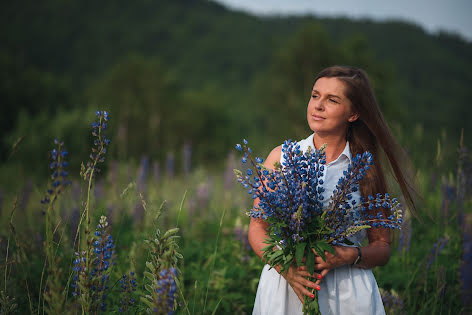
{"type": "Point", "coordinates": [52, 52]}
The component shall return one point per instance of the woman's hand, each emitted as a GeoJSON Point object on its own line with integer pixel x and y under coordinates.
{"type": "Point", "coordinates": [344, 255]}
{"type": "Point", "coordinates": [296, 277]}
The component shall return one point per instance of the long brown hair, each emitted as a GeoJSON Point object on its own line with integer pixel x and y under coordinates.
{"type": "Point", "coordinates": [370, 132]}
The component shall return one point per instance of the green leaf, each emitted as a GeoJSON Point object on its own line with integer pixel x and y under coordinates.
{"type": "Point", "coordinates": [310, 262]}
{"type": "Point", "coordinates": [149, 288]}
{"type": "Point", "coordinates": [149, 275]}
{"type": "Point", "coordinates": [319, 251]}
{"type": "Point", "coordinates": [299, 253]}
{"type": "Point", "coordinates": [267, 248]}
{"type": "Point", "coordinates": [147, 302]}
{"type": "Point", "coordinates": [170, 232]}
{"type": "Point", "coordinates": [150, 266]}
{"type": "Point", "coordinates": [288, 259]}
{"type": "Point", "coordinates": [325, 246]}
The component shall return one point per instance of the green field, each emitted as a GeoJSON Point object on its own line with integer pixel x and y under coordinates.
{"type": "Point", "coordinates": [218, 272]}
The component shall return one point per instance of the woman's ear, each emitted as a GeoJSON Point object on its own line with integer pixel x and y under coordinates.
{"type": "Point", "coordinates": [353, 117]}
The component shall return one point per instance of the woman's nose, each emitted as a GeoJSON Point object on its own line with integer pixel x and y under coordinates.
{"type": "Point", "coordinates": [319, 105]}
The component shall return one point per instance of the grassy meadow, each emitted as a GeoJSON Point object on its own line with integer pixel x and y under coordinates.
{"type": "Point", "coordinates": [218, 273]}
{"type": "Point", "coordinates": [184, 81]}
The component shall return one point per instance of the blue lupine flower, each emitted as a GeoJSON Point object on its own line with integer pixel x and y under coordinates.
{"type": "Point", "coordinates": [128, 286]}
{"type": "Point", "coordinates": [95, 274]}
{"type": "Point", "coordinates": [100, 143]}
{"type": "Point", "coordinates": [167, 290]}
{"type": "Point", "coordinates": [292, 194]}
{"type": "Point", "coordinates": [59, 180]}
{"type": "Point", "coordinates": [436, 249]}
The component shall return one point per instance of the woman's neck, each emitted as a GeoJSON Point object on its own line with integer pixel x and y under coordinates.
{"type": "Point", "coordinates": [335, 145]}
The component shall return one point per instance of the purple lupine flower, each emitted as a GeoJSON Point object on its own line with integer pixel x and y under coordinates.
{"type": "Point", "coordinates": [143, 171]}
{"type": "Point", "coordinates": [228, 174]}
{"type": "Point", "coordinates": [75, 192]}
{"type": "Point", "coordinates": [138, 213]}
{"type": "Point", "coordinates": [297, 188]}
{"type": "Point", "coordinates": [78, 269]}
{"type": "Point", "coordinates": [156, 172]}
{"type": "Point", "coordinates": [392, 302]}
{"type": "Point", "coordinates": [1, 201]}
{"type": "Point", "coordinates": [167, 291]}
{"type": "Point", "coordinates": [110, 213]}
{"type": "Point", "coordinates": [192, 205]}
{"type": "Point", "coordinates": [128, 287]}
{"type": "Point", "coordinates": [465, 269]}
{"type": "Point", "coordinates": [187, 157]}
{"type": "Point", "coordinates": [170, 164]}
{"type": "Point", "coordinates": [461, 186]}
{"type": "Point", "coordinates": [436, 249]}
{"type": "Point", "coordinates": [58, 166]}
{"type": "Point", "coordinates": [404, 242]}
{"type": "Point", "coordinates": [114, 172]}
{"type": "Point", "coordinates": [95, 274]}
{"type": "Point", "coordinates": [104, 259]}
{"type": "Point", "coordinates": [99, 189]}
{"type": "Point", "coordinates": [241, 235]}
{"type": "Point", "coordinates": [100, 144]}
{"type": "Point", "coordinates": [448, 192]}
{"type": "Point", "coordinates": [203, 195]}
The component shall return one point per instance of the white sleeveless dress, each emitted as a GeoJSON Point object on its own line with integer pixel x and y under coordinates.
{"type": "Point", "coordinates": [347, 290]}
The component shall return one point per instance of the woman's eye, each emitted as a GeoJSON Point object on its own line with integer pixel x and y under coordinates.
{"type": "Point", "coordinates": [333, 100]}
{"type": "Point", "coordinates": [314, 96]}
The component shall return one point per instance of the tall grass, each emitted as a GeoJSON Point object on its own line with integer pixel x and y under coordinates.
{"type": "Point", "coordinates": [218, 272]}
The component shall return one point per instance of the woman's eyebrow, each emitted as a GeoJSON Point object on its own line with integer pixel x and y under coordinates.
{"type": "Point", "coordinates": [329, 95]}
{"type": "Point", "coordinates": [333, 95]}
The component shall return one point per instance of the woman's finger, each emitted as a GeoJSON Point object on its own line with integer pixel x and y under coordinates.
{"type": "Point", "coordinates": [305, 291]}
{"type": "Point", "coordinates": [298, 293]}
{"type": "Point", "coordinates": [323, 273]}
{"type": "Point", "coordinates": [303, 272]}
{"type": "Point", "coordinates": [305, 282]}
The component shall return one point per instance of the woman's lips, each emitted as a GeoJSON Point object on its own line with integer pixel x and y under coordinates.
{"type": "Point", "coordinates": [315, 117]}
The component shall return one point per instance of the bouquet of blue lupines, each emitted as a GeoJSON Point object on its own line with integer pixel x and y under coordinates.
{"type": "Point", "coordinates": [290, 200]}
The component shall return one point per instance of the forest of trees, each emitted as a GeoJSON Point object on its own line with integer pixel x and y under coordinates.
{"type": "Point", "coordinates": [192, 72]}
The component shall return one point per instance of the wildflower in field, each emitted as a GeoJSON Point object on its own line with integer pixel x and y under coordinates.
{"type": "Point", "coordinates": [162, 273]}
{"type": "Point", "coordinates": [466, 268]}
{"type": "Point", "coordinates": [1, 201]}
{"type": "Point", "coordinates": [404, 241]}
{"type": "Point", "coordinates": [156, 172]}
{"type": "Point", "coordinates": [436, 250]}
{"type": "Point", "coordinates": [170, 163]}
{"type": "Point", "coordinates": [59, 176]}
{"type": "Point", "coordinates": [167, 291]}
{"type": "Point", "coordinates": [91, 278]}
{"type": "Point", "coordinates": [392, 302]}
{"type": "Point", "coordinates": [128, 286]}
{"type": "Point", "coordinates": [240, 234]}
{"type": "Point", "coordinates": [100, 145]}
{"type": "Point", "coordinates": [187, 157]}
{"type": "Point", "coordinates": [143, 171]}
{"type": "Point", "coordinates": [448, 192]}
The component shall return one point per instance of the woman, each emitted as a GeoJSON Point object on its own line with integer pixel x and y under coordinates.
{"type": "Point", "coordinates": [344, 115]}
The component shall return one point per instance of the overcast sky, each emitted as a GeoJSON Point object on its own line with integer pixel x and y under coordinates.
{"type": "Point", "coordinates": [449, 15]}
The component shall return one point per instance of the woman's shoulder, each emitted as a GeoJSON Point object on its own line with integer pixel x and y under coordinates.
{"type": "Point", "coordinates": [274, 156]}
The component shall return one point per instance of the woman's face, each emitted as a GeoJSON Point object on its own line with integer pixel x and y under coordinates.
{"type": "Point", "coordinates": [329, 110]}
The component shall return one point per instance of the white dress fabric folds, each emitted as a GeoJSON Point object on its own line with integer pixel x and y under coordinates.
{"type": "Point", "coordinates": [347, 290]}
